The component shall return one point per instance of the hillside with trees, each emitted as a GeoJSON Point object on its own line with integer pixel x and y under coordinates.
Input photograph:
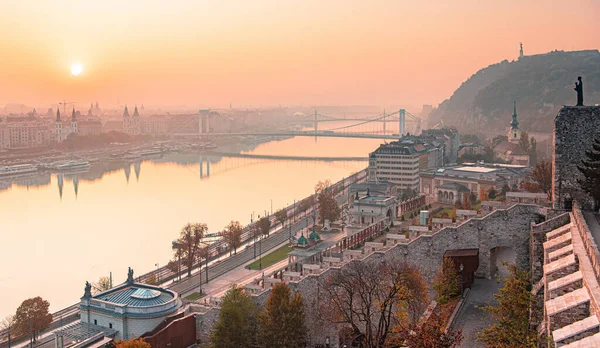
{"type": "Point", "coordinates": [540, 84]}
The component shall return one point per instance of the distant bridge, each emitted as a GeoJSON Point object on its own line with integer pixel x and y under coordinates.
{"type": "Point", "coordinates": [285, 158]}
{"type": "Point", "coordinates": [298, 134]}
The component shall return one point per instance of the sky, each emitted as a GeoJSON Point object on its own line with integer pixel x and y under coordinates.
{"type": "Point", "coordinates": [272, 52]}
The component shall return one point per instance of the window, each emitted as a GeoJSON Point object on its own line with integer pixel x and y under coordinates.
{"type": "Point", "coordinates": [95, 322]}
{"type": "Point", "coordinates": [110, 325]}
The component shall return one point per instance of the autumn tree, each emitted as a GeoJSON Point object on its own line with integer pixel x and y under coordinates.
{"type": "Point", "coordinates": [447, 282]}
{"type": "Point", "coordinates": [483, 196]}
{"type": "Point", "coordinates": [233, 236]}
{"type": "Point", "coordinates": [132, 343]}
{"type": "Point", "coordinates": [281, 325]}
{"type": "Point", "coordinates": [32, 317]}
{"type": "Point", "coordinates": [371, 297]}
{"type": "Point", "coordinates": [281, 216]}
{"type": "Point", "coordinates": [305, 204]}
{"type": "Point", "coordinates": [511, 313]}
{"type": "Point", "coordinates": [328, 207]}
{"type": "Point", "coordinates": [431, 334]}
{"type": "Point", "coordinates": [532, 151]}
{"type": "Point", "coordinates": [151, 279]}
{"type": "Point", "coordinates": [237, 326]}
{"type": "Point", "coordinates": [264, 225]}
{"type": "Point", "coordinates": [524, 141]}
{"type": "Point", "coordinates": [189, 241]}
{"type": "Point", "coordinates": [590, 168]}
{"type": "Point", "coordinates": [540, 179]}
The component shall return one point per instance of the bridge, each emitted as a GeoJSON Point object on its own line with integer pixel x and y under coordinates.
{"type": "Point", "coordinates": [372, 127]}
{"type": "Point", "coordinates": [285, 158]}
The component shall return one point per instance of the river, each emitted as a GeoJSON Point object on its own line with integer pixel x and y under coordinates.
{"type": "Point", "coordinates": [57, 231]}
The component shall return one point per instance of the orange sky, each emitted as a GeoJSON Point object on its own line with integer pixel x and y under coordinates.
{"type": "Point", "coordinates": [269, 52]}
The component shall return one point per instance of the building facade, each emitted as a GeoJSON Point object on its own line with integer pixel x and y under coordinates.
{"type": "Point", "coordinates": [129, 309]}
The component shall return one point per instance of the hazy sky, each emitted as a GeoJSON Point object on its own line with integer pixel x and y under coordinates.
{"type": "Point", "coordinates": [272, 52]}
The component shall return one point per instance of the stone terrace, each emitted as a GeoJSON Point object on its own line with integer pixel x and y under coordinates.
{"type": "Point", "coordinates": [571, 291]}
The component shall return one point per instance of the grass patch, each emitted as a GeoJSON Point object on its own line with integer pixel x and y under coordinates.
{"type": "Point", "coordinates": [194, 296]}
{"type": "Point", "coordinates": [273, 257]}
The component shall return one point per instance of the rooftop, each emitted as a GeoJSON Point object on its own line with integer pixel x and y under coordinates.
{"type": "Point", "coordinates": [137, 295]}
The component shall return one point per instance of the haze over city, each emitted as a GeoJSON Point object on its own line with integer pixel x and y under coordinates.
{"type": "Point", "coordinates": [288, 174]}
{"type": "Point", "coordinates": [271, 52]}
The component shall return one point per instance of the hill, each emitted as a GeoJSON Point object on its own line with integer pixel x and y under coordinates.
{"type": "Point", "coordinates": [540, 85]}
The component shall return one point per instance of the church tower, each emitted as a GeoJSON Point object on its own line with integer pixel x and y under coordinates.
{"type": "Point", "coordinates": [126, 121]}
{"type": "Point", "coordinates": [58, 126]}
{"type": "Point", "coordinates": [514, 134]}
{"type": "Point", "coordinates": [136, 122]}
{"type": "Point", "coordinates": [74, 128]}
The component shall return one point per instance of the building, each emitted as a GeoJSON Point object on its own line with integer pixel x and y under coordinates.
{"type": "Point", "coordinates": [129, 309]}
{"type": "Point", "coordinates": [400, 162]}
{"type": "Point", "coordinates": [367, 210]}
{"type": "Point", "coordinates": [25, 134]}
{"type": "Point", "coordinates": [471, 149]}
{"type": "Point", "coordinates": [445, 185]}
{"type": "Point", "coordinates": [451, 139]}
{"type": "Point", "coordinates": [510, 150]}
{"type": "Point", "coordinates": [90, 127]}
{"type": "Point", "coordinates": [64, 128]}
{"type": "Point", "coordinates": [132, 125]}
{"type": "Point", "coordinates": [379, 188]}
{"type": "Point", "coordinates": [155, 125]}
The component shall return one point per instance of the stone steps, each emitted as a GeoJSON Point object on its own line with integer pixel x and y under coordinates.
{"type": "Point", "coordinates": [576, 331]}
{"type": "Point", "coordinates": [556, 254]}
{"type": "Point", "coordinates": [565, 284]}
{"type": "Point", "coordinates": [557, 243]}
{"type": "Point", "coordinates": [588, 342]}
{"type": "Point", "coordinates": [558, 232]}
{"type": "Point", "coordinates": [560, 268]}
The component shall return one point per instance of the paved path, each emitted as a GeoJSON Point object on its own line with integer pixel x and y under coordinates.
{"type": "Point", "coordinates": [471, 318]}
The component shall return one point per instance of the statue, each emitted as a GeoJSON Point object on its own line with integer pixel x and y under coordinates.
{"type": "Point", "coordinates": [130, 276]}
{"type": "Point", "coordinates": [88, 290]}
{"type": "Point", "coordinates": [579, 89]}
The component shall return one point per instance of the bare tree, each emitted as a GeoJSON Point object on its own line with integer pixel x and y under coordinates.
{"type": "Point", "coordinates": [370, 297]}
{"type": "Point", "coordinates": [190, 237]}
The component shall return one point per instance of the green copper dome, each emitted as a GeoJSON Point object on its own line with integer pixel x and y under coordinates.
{"type": "Point", "coordinates": [314, 236]}
{"type": "Point", "coordinates": [302, 240]}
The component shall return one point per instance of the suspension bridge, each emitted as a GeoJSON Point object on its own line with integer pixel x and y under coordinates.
{"type": "Point", "coordinates": [373, 127]}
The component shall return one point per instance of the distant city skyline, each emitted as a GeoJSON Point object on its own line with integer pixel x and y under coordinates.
{"type": "Point", "coordinates": [270, 53]}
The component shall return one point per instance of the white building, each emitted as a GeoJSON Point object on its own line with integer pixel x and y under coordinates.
{"type": "Point", "coordinates": [368, 210]}
{"type": "Point", "coordinates": [129, 309]}
{"type": "Point", "coordinates": [62, 129]}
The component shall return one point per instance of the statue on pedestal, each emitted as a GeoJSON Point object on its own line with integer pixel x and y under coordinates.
{"type": "Point", "coordinates": [130, 276]}
{"type": "Point", "coordinates": [88, 290]}
{"type": "Point", "coordinates": [579, 89]}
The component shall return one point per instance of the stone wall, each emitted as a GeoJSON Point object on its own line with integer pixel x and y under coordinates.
{"type": "Point", "coordinates": [536, 247]}
{"type": "Point", "coordinates": [575, 128]}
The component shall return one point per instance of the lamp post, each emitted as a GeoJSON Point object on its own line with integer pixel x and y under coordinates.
{"type": "Point", "coordinates": [157, 274]}
{"type": "Point", "coordinates": [271, 206]}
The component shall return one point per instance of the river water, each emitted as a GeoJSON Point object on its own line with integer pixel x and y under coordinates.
{"type": "Point", "coordinates": [57, 231]}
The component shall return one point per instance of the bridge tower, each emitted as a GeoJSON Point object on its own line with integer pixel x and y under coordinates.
{"type": "Point", "coordinates": [201, 166]}
{"type": "Point", "coordinates": [402, 117]}
{"type": "Point", "coordinates": [383, 121]}
{"type": "Point", "coordinates": [316, 122]}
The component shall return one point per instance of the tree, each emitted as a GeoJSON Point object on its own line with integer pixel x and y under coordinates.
{"type": "Point", "coordinates": [533, 152]}
{"type": "Point", "coordinates": [233, 235]}
{"type": "Point", "coordinates": [8, 324]}
{"type": "Point", "coordinates": [540, 179]}
{"type": "Point", "coordinates": [447, 282]}
{"type": "Point", "coordinates": [328, 207]}
{"type": "Point", "coordinates": [505, 188]}
{"type": "Point", "coordinates": [305, 204]}
{"type": "Point", "coordinates": [189, 239]}
{"type": "Point", "coordinates": [498, 139]}
{"type": "Point", "coordinates": [511, 314]}
{"type": "Point", "coordinates": [281, 325]}
{"type": "Point", "coordinates": [470, 138]}
{"type": "Point", "coordinates": [264, 225]}
{"type": "Point", "coordinates": [103, 284]}
{"type": "Point", "coordinates": [492, 194]}
{"type": "Point", "coordinates": [132, 343]}
{"type": "Point", "coordinates": [524, 142]}
{"type": "Point", "coordinates": [590, 168]}
{"type": "Point", "coordinates": [237, 326]}
{"type": "Point", "coordinates": [151, 279]}
{"type": "Point", "coordinates": [281, 216]}
{"type": "Point", "coordinates": [430, 334]}
{"type": "Point", "coordinates": [371, 296]}
{"type": "Point", "coordinates": [32, 317]}
{"type": "Point", "coordinates": [483, 196]}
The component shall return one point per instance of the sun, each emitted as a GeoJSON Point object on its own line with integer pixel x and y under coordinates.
{"type": "Point", "coordinates": [76, 69]}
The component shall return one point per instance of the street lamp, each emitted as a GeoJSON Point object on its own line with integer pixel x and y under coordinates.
{"type": "Point", "coordinates": [157, 273]}
{"type": "Point", "coordinates": [271, 206]}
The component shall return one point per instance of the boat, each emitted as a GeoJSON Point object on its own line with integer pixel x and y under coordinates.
{"type": "Point", "coordinates": [151, 152]}
{"type": "Point", "coordinates": [74, 165]}
{"type": "Point", "coordinates": [18, 169]}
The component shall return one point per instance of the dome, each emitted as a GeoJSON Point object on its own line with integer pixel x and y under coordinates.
{"type": "Point", "coordinates": [145, 294]}
{"type": "Point", "coordinates": [302, 240]}
{"type": "Point", "coordinates": [314, 236]}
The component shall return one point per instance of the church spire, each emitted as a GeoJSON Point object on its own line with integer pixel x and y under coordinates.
{"type": "Point", "coordinates": [126, 112]}
{"type": "Point", "coordinates": [57, 114]}
{"type": "Point", "coordinates": [73, 115]}
{"type": "Point", "coordinates": [135, 112]}
{"type": "Point", "coordinates": [514, 123]}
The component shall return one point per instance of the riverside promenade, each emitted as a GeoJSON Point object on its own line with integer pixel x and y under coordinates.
{"type": "Point", "coordinates": [219, 262]}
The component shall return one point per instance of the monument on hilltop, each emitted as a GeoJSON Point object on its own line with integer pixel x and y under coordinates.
{"type": "Point", "coordinates": [579, 89]}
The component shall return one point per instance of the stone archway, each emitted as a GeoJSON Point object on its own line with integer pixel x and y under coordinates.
{"type": "Point", "coordinates": [498, 256]}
